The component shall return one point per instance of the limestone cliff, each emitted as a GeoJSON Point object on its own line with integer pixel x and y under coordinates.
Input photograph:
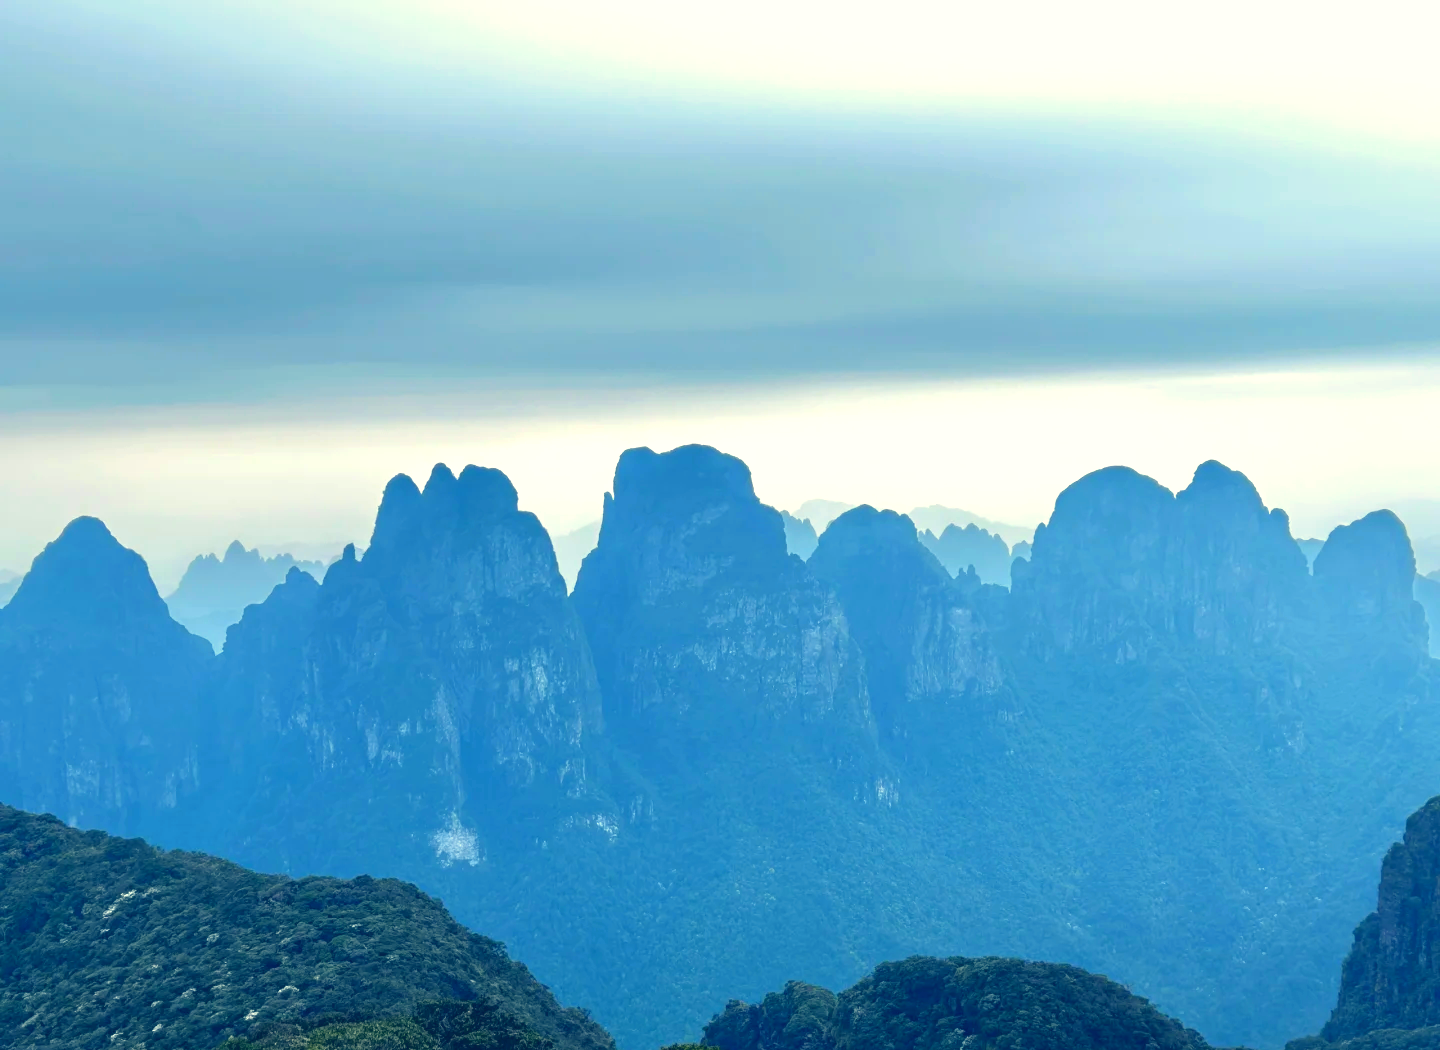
{"type": "Point", "coordinates": [99, 715]}
{"type": "Point", "coordinates": [425, 702]}
{"type": "Point", "coordinates": [705, 628]}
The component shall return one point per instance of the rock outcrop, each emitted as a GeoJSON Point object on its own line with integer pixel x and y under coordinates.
{"type": "Point", "coordinates": [930, 661]}
{"type": "Point", "coordinates": [100, 720]}
{"type": "Point", "coordinates": [421, 704]}
{"type": "Point", "coordinates": [1391, 978]}
{"type": "Point", "coordinates": [704, 629]}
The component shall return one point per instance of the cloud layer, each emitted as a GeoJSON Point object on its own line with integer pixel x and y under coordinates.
{"type": "Point", "coordinates": [194, 227]}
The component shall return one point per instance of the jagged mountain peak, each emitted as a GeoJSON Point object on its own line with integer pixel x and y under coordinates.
{"type": "Point", "coordinates": [681, 518]}
{"type": "Point", "coordinates": [450, 511]}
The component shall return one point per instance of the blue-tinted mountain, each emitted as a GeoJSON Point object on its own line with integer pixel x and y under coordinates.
{"type": "Point", "coordinates": [215, 591]}
{"type": "Point", "coordinates": [1310, 548]}
{"type": "Point", "coordinates": [1169, 753]}
{"type": "Point", "coordinates": [1427, 593]}
{"type": "Point", "coordinates": [9, 584]}
{"type": "Point", "coordinates": [703, 625]}
{"type": "Point", "coordinates": [970, 548]}
{"type": "Point", "coordinates": [931, 663]}
{"type": "Point", "coordinates": [800, 538]}
{"type": "Point", "coordinates": [571, 548]}
{"type": "Point", "coordinates": [100, 719]}
{"type": "Point", "coordinates": [424, 707]}
{"type": "Point", "coordinates": [937, 518]}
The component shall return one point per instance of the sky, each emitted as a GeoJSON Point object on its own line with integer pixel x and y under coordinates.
{"type": "Point", "coordinates": [256, 257]}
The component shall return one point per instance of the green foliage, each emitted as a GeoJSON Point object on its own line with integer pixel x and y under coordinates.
{"type": "Point", "coordinates": [1382, 1039]}
{"type": "Point", "coordinates": [955, 1004]}
{"type": "Point", "coordinates": [110, 943]}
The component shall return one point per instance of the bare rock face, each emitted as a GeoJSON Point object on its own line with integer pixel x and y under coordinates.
{"type": "Point", "coordinates": [1391, 978]}
{"type": "Point", "coordinates": [1366, 575]}
{"type": "Point", "coordinates": [930, 658]}
{"type": "Point", "coordinates": [704, 627]}
{"type": "Point", "coordinates": [100, 721]}
{"type": "Point", "coordinates": [1124, 567]}
{"type": "Point", "coordinates": [430, 700]}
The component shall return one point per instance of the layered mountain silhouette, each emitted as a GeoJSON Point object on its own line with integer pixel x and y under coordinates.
{"type": "Point", "coordinates": [1170, 752]}
{"type": "Point", "coordinates": [970, 548]}
{"type": "Point", "coordinates": [9, 584]}
{"type": "Point", "coordinates": [214, 592]}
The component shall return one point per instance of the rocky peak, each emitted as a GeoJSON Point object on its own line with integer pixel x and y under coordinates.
{"type": "Point", "coordinates": [1391, 978]}
{"type": "Point", "coordinates": [440, 685]}
{"type": "Point", "coordinates": [698, 617]}
{"type": "Point", "coordinates": [1123, 565]}
{"type": "Point", "coordinates": [84, 580]}
{"type": "Point", "coordinates": [99, 715]}
{"type": "Point", "coordinates": [679, 519]}
{"type": "Point", "coordinates": [928, 653]}
{"type": "Point", "coordinates": [1096, 569]}
{"type": "Point", "coordinates": [1236, 572]}
{"type": "Point", "coordinates": [1366, 577]}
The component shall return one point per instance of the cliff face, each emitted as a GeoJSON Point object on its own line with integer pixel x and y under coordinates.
{"type": "Point", "coordinates": [99, 713]}
{"type": "Point", "coordinates": [1391, 978]}
{"type": "Point", "coordinates": [705, 630]}
{"type": "Point", "coordinates": [1365, 574]}
{"type": "Point", "coordinates": [1123, 567]}
{"type": "Point", "coordinates": [428, 700]}
{"type": "Point", "coordinates": [930, 659]}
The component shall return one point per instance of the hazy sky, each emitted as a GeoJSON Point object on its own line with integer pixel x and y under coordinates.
{"type": "Point", "coordinates": [255, 257]}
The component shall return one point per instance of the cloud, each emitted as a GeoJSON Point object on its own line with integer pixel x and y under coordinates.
{"type": "Point", "coordinates": [196, 228]}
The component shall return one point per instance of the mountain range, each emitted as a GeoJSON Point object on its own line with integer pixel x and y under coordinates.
{"type": "Point", "coordinates": [1169, 752]}
{"type": "Point", "coordinates": [215, 591]}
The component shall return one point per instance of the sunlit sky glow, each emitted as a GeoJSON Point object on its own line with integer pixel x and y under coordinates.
{"type": "Point", "coordinates": [256, 256]}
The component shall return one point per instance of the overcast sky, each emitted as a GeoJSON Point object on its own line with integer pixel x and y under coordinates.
{"type": "Point", "coordinates": [253, 256]}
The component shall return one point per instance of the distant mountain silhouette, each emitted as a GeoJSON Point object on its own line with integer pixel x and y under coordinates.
{"type": "Point", "coordinates": [1310, 548]}
{"type": "Point", "coordinates": [971, 547]}
{"type": "Point", "coordinates": [937, 518]}
{"type": "Point", "coordinates": [9, 584]}
{"type": "Point", "coordinates": [215, 591]}
{"type": "Point", "coordinates": [571, 548]}
{"type": "Point", "coordinates": [821, 512]}
{"type": "Point", "coordinates": [800, 538]}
